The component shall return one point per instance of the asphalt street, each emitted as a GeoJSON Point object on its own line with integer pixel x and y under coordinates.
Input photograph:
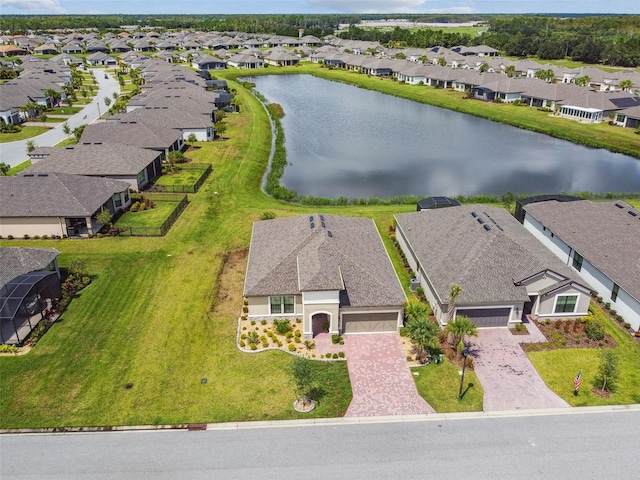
{"type": "Point", "coordinates": [14, 153]}
{"type": "Point", "coordinates": [585, 443]}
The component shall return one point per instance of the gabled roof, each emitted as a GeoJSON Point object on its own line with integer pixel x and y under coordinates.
{"type": "Point", "coordinates": [481, 248]}
{"type": "Point", "coordinates": [16, 261]}
{"type": "Point", "coordinates": [605, 234]}
{"type": "Point", "coordinates": [132, 133]}
{"type": "Point", "coordinates": [55, 195]}
{"type": "Point", "coordinates": [322, 252]}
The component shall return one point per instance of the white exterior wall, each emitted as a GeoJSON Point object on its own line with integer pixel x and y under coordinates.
{"type": "Point", "coordinates": [625, 305]}
{"type": "Point", "coordinates": [32, 226]}
{"type": "Point", "coordinates": [321, 302]}
{"type": "Point", "coordinates": [202, 134]}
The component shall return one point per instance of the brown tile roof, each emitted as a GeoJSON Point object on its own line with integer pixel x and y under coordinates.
{"type": "Point", "coordinates": [606, 236]}
{"type": "Point", "coordinates": [287, 256]}
{"type": "Point", "coordinates": [455, 248]}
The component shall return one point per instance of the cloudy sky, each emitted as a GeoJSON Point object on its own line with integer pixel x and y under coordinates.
{"type": "Point", "coordinates": [9, 7]}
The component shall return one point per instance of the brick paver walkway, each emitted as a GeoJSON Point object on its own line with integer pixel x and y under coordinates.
{"type": "Point", "coordinates": [509, 380]}
{"type": "Point", "coordinates": [381, 381]}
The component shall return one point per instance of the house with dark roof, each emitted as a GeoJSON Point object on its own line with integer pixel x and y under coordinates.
{"type": "Point", "coordinates": [502, 269]}
{"type": "Point", "coordinates": [57, 204]}
{"type": "Point", "coordinates": [170, 117]}
{"type": "Point", "coordinates": [135, 134]}
{"type": "Point", "coordinates": [600, 242]}
{"type": "Point", "coordinates": [628, 117]}
{"type": "Point", "coordinates": [332, 272]}
{"type": "Point", "coordinates": [29, 283]}
{"type": "Point", "coordinates": [137, 166]}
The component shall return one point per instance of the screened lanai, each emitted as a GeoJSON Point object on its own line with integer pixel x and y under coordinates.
{"type": "Point", "coordinates": [23, 302]}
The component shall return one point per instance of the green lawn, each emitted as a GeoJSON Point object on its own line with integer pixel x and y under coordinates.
{"type": "Point", "coordinates": [439, 385]}
{"type": "Point", "coordinates": [559, 367]}
{"type": "Point", "coordinates": [161, 314]}
{"type": "Point", "coordinates": [26, 132]}
{"type": "Point", "coordinates": [65, 110]}
{"type": "Point", "coordinates": [18, 168]}
{"type": "Point", "coordinates": [180, 177]}
{"type": "Point", "coordinates": [154, 217]}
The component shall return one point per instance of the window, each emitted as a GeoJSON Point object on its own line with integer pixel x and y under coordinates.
{"type": "Point", "coordinates": [280, 305]}
{"type": "Point", "coordinates": [126, 196]}
{"type": "Point", "coordinates": [141, 178]}
{"type": "Point", "coordinates": [566, 303]}
{"type": "Point", "coordinates": [614, 292]}
{"type": "Point", "coordinates": [577, 261]}
{"type": "Point", "coordinates": [117, 200]}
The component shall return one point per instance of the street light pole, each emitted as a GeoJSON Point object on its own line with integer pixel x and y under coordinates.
{"type": "Point", "coordinates": [465, 354]}
{"type": "Point", "coordinates": [98, 103]}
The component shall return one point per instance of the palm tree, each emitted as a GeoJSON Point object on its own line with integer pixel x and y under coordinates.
{"type": "Point", "coordinates": [442, 61]}
{"type": "Point", "coordinates": [424, 334]}
{"type": "Point", "coordinates": [31, 146]}
{"type": "Point", "coordinates": [414, 310]}
{"type": "Point", "coordinates": [52, 95]}
{"type": "Point", "coordinates": [583, 81]}
{"type": "Point", "coordinates": [454, 292]}
{"type": "Point", "coordinates": [510, 71]}
{"type": "Point", "coordinates": [460, 328]}
{"type": "Point", "coordinates": [625, 84]}
{"type": "Point", "coordinates": [4, 168]}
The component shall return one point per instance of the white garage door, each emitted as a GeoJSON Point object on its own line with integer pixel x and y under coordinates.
{"type": "Point", "coordinates": [487, 317]}
{"type": "Point", "coordinates": [370, 322]}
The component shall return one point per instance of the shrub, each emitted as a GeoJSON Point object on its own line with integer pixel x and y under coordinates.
{"type": "Point", "coordinates": [309, 344]}
{"type": "Point", "coordinates": [594, 330]}
{"type": "Point", "coordinates": [267, 216]}
{"type": "Point", "coordinates": [253, 346]}
{"type": "Point", "coordinates": [242, 344]}
{"type": "Point", "coordinates": [263, 322]}
{"type": "Point", "coordinates": [341, 354]}
{"type": "Point", "coordinates": [297, 340]}
{"type": "Point", "coordinates": [599, 299]}
{"type": "Point", "coordinates": [404, 332]}
{"type": "Point", "coordinates": [253, 322]}
{"type": "Point", "coordinates": [245, 309]}
{"type": "Point", "coordinates": [279, 343]}
{"type": "Point", "coordinates": [265, 343]}
{"type": "Point", "coordinates": [298, 320]}
{"type": "Point", "coordinates": [8, 348]}
{"type": "Point", "coordinates": [243, 336]}
{"type": "Point", "coordinates": [297, 334]}
{"type": "Point", "coordinates": [292, 347]}
{"type": "Point", "coordinates": [335, 355]}
{"type": "Point", "coordinates": [520, 327]}
{"type": "Point", "coordinates": [288, 335]}
{"type": "Point", "coordinates": [282, 326]}
{"type": "Point", "coordinates": [26, 236]}
{"type": "Point", "coordinates": [134, 207]}
{"type": "Point", "coordinates": [335, 339]}
{"type": "Point", "coordinates": [607, 305]}
{"type": "Point", "coordinates": [627, 325]}
{"type": "Point", "coordinates": [252, 337]}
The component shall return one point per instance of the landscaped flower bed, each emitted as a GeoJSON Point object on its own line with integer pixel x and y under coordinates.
{"type": "Point", "coordinates": [282, 334]}
{"type": "Point", "coordinates": [579, 333]}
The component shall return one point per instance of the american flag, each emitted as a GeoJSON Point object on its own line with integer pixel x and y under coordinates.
{"type": "Point", "coordinates": [576, 381]}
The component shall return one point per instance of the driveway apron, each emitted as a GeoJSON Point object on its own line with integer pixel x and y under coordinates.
{"type": "Point", "coordinates": [509, 380]}
{"type": "Point", "coordinates": [381, 381]}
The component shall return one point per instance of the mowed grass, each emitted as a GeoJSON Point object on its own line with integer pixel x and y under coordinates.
{"type": "Point", "coordinates": [161, 314]}
{"type": "Point", "coordinates": [558, 368]}
{"type": "Point", "coordinates": [181, 177]}
{"type": "Point", "coordinates": [153, 217]}
{"type": "Point", "coordinates": [439, 385]}
{"type": "Point", "coordinates": [26, 132]}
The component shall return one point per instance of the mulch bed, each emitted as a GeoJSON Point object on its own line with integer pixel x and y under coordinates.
{"type": "Point", "coordinates": [566, 334]}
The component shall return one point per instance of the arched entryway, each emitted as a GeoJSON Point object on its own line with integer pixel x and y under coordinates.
{"type": "Point", "coordinates": [320, 323]}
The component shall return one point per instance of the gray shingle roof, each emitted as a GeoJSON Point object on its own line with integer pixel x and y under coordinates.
{"type": "Point", "coordinates": [96, 159]}
{"type": "Point", "coordinates": [454, 248]}
{"type": "Point", "coordinates": [134, 134]}
{"type": "Point", "coordinates": [55, 195]}
{"type": "Point", "coordinates": [168, 117]}
{"type": "Point", "coordinates": [607, 236]}
{"type": "Point", "coordinates": [16, 261]}
{"type": "Point", "coordinates": [288, 256]}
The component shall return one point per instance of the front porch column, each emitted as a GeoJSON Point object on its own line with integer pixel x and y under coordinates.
{"type": "Point", "coordinates": [89, 226]}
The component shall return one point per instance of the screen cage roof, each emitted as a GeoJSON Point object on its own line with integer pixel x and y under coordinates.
{"type": "Point", "coordinates": [23, 295]}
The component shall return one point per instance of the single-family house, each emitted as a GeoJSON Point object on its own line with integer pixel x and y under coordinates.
{"type": "Point", "coordinates": [208, 62]}
{"type": "Point", "coordinates": [588, 106]}
{"type": "Point", "coordinates": [137, 166]}
{"type": "Point", "coordinates": [29, 284]}
{"type": "Point", "coordinates": [102, 59]}
{"type": "Point", "coordinates": [57, 204]}
{"type": "Point", "coordinates": [599, 241]}
{"type": "Point", "coordinates": [628, 117]}
{"type": "Point", "coordinates": [245, 61]}
{"type": "Point", "coordinates": [502, 269]}
{"type": "Point", "coordinates": [170, 117]}
{"type": "Point", "coordinates": [281, 59]}
{"type": "Point", "coordinates": [332, 272]}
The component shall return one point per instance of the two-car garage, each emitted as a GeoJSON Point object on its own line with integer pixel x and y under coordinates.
{"type": "Point", "coordinates": [486, 317]}
{"type": "Point", "coordinates": [370, 322]}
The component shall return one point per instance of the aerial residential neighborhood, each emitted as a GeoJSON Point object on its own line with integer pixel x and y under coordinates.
{"type": "Point", "coordinates": [157, 268]}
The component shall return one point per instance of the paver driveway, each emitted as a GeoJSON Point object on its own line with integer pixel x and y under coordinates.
{"type": "Point", "coordinates": [381, 381]}
{"type": "Point", "coordinates": [509, 380]}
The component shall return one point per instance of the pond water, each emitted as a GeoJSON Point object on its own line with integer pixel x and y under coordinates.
{"type": "Point", "coordinates": [346, 141]}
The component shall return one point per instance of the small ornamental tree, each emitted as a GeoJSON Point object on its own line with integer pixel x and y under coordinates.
{"type": "Point", "coordinates": [107, 101]}
{"type": "Point", "coordinates": [220, 129]}
{"type": "Point", "coordinates": [192, 139]}
{"type": "Point", "coordinates": [104, 217]}
{"type": "Point", "coordinates": [31, 146]}
{"type": "Point", "coordinates": [608, 371]}
{"type": "Point", "coordinates": [66, 128]}
{"type": "Point", "coordinates": [4, 168]}
{"type": "Point", "coordinates": [304, 379]}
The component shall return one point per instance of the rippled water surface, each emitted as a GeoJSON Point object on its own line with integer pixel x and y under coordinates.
{"type": "Point", "coordinates": [345, 141]}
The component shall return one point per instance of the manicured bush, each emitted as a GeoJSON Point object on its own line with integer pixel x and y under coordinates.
{"type": "Point", "coordinates": [253, 322]}
{"type": "Point", "coordinates": [292, 347]}
{"type": "Point", "coordinates": [283, 326]}
{"type": "Point", "coordinates": [253, 346]}
{"type": "Point", "coordinates": [335, 339]}
{"type": "Point", "coordinates": [404, 332]}
{"type": "Point", "coordinates": [288, 335]}
{"type": "Point", "coordinates": [341, 354]}
{"type": "Point", "coordinates": [263, 322]}
{"type": "Point", "coordinates": [243, 336]}
{"type": "Point", "coordinates": [245, 309]}
{"type": "Point", "coordinates": [594, 330]}
{"type": "Point", "coordinates": [5, 348]}
{"type": "Point", "coordinates": [242, 344]}
{"type": "Point", "coordinates": [335, 355]}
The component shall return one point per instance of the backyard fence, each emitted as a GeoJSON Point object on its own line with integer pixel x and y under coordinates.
{"type": "Point", "coordinates": [167, 224]}
{"type": "Point", "coordinates": [194, 187]}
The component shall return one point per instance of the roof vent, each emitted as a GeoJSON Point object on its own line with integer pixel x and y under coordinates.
{"type": "Point", "coordinates": [480, 221]}
{"type": "Point", "coordinates": [474, 214]}
{"type": "Point", "coordinates": [312, 225]}
{"type": "Point", "coordinates": [329, 233]}
{"type": "Point", "coordinates": [43, 174]}
{"type": "Point", "coordinates": [486, 227]}
{"type": "Point", "coordinates": [619, 205]}
{"type": "Point", "coordinates": [310, 218]}
{"type": "Point", "coordinates": [631, 212]}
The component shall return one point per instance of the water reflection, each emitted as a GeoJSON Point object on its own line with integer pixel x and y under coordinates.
{"type": "Point", "coordinates": [345, 141]}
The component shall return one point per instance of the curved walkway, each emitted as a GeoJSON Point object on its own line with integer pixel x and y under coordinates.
{"type": "Point", "coordinates": [14, 153]}
{"type": "Point", "coordinates": [509, 379]}
{"type": "Point", "coordinates": [380, 378]}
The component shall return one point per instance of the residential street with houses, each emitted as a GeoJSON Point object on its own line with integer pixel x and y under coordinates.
{"type": "Point", "coordinates": [14, 153]}
{"type": "Point", "coordinates": [580, 443]}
